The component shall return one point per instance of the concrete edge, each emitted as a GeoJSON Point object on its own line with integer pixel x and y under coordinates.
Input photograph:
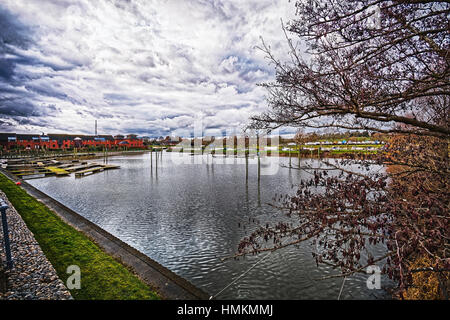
{"type": "Point", "coordinates": [167, 283]}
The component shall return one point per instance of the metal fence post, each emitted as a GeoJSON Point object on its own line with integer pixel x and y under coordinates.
{"type": "Point", "coordinates": [3, 207]}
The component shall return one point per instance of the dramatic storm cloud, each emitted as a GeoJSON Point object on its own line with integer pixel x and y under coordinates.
{"type": "Point", "coordinates": [147, 67]}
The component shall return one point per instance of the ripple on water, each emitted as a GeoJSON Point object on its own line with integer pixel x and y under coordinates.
{"type": "Point", "coordinates": [186, 217]}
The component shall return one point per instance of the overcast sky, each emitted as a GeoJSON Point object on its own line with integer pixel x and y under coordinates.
{"type": "Point", "coordinates": [137, 66]}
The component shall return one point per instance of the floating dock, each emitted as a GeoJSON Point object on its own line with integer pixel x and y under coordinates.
{"type": "Point", "coordinates": [58, 171]}
{"type": "Point", "coordinates": [90, 171]}
{"type": "Point", "coordinates": [38, 168]}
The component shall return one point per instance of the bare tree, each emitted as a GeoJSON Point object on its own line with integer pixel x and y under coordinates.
{"type": "Point", "coordinates": [368, 63]}
{"type": "Point", "coordinates": [381, 66]}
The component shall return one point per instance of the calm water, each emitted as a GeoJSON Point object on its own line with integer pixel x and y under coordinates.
{"type": "Point", "coordinates": [186, 216]}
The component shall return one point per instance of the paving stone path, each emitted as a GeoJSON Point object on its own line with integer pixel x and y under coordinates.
{"type": "Point", "coordinates": [32, 277]}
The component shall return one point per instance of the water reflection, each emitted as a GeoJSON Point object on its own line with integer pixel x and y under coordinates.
{"type": "Point", "coordinates": [187, 217]}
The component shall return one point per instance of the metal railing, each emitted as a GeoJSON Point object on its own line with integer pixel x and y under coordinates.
{"type": "Point", "coordinates": [3, 207]}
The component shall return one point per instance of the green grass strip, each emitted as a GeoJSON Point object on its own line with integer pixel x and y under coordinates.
{"type": "Point", "coordinates": [102, 277]}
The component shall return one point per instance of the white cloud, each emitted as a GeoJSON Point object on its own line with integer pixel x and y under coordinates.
{"type": "Point", "coordinates": [145, 66]}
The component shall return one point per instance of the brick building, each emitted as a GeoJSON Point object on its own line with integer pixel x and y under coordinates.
{"type": "Point", "coordinates": [10, 141]}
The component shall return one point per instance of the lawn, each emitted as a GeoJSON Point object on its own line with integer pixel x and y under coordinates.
{"type": "Point", "coordinates": [102, 277]}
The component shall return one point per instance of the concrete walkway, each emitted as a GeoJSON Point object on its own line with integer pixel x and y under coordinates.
{"type": "Point", "coordinates": [165, 282]}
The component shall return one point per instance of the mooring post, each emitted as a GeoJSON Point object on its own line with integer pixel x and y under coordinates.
{"type": "Point", "coordinates": [3, 207]}
{"type": "Point", "coordinates": [290, 155]}
{"type": "Point", "coordinates": [246, 168]}
{"type": "Point", "coordinates": [259, 180]}
{"type": "Point", "coordinates": [259, 168]}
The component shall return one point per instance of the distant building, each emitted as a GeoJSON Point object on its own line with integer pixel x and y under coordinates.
{"type": "Point", "coordinates": [66, 141]}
